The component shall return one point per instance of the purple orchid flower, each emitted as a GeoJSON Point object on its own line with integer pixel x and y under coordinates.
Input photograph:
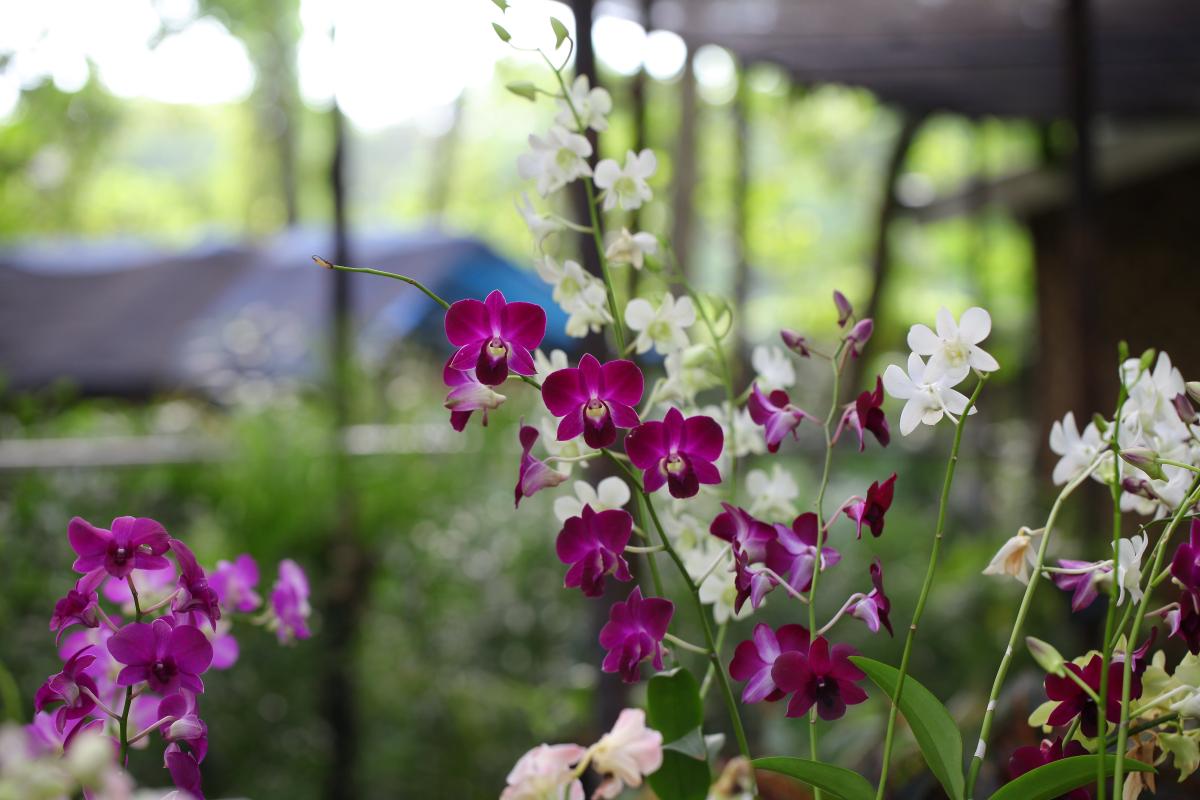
{"type": "Point", "coordinates": [1185, 566]}
{"type": "Point", "coordinates": [467, 395]}
{"type": "Point", "coordinates": [182, 723]}
{"type": "Point", "coordinates": [776, 414]}
{"type": "Point", "coordinates": [533, 474]}
{"type": "Point", "coordinates": [677, 451]}
{"type": "Point", "coordinates": [593, 544]}
{"type": "Point", "coordinates": [495, 336]}
{"type": "Point", "coordinates": [866, 414]}
{"type": "Point", "coordinates": [289, 603]}
{"type": "Point", "coordinates": [874, 608]}
{"type": "Point", "coordinates": [195, 594]}
{"type": "Point", "coordinates": [793, 552]}
{"type": "Point", "coordinates": [824, 677]}
{"type": "Point", "coordinates": [634, 633]}
{"type": "Point", "coordinates": [750, 539]}
{"type": "Point", "coordinates": [858, 336]}
{"type": "Point", "coordinates": [68, 688]}
{"type": "Point", "coordinates": [132, 543]}
{"type": "Point", "coordinates": [754, 658]}
{"type": "Point", "coordinates": [1183, 620]}
{"type": "Point", "coordinates": [1029, 758]}
{"type": "Point", "coordinates": [1082, 582]}
{"type": "Point", "coordinates": [235, 582]}
{"type": "Point", "coordinates": [844, 309]}
{"type": "Point", "coordinates": [795, 342]}
{"type": "Point", "coordinates": [184, 769]}
{"type": "Point", "coordinates": [871, 511]}
{"type": "Point", "coordinates": [594, 399]}
{"type": "Point", "coordinates": [166, 656]}
{"type": "Point", "coordinates": [80, 606]}
{"type": "Point", "coordinates": [1074, 702]}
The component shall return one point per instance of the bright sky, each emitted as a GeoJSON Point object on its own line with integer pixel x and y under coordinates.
{"type": "Point", "coordinates": [390, 63]}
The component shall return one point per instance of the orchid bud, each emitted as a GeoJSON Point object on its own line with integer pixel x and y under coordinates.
{"type": "Point", "coordinates": [1144, 458]}
{"type": "Point", "coordinates": [1146, 360]}
{"type": "Point", "coordinates": [794, 342]}
{"type": "Point", "coordinates": [1123, 350]}
{"type": "Point", "coordinates": [844, 309]}
{"type": "Point", "coordinates": [1100, 422]}
{"type": "Point", "coordinates": [1193, 390]}
{"type": "Point", "coordinates": [1048, 658]}
{"type": "Point", "coordinates": [1183, 407]}
{"type": "Point", "coordinates": [523, 89]}
{"type": "Point", "coordinates": [504, 35]}
{"type": "Point", "coordinates": [501, 4]}
{"type": "Point", "coordinates": [186, 727]}
{"type": "Point", "coordinates": [859, 335]}
{"type": "Point", "coordinates": [1140, 487]}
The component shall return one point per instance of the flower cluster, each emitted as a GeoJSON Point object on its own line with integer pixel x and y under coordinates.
{"type": "Point", "coordinates": [135, 670]}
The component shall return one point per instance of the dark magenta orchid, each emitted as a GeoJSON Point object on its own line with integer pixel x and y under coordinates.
{"type": "Point", "coordinates": [870, 512]}
{"type": "Point", "coordinates": [289, 603]}
{"type": "Point", "coordinates": [195, 595]}
{"type": "Point", "coordinates": [495, 336]}
{"type": "Point", "coordinates": [792, 553]}
{"type": "Point", "coordinates": [467, 395]}
{"type": "Point", "coordinates": [677, 451]}
{"type": "Point", "coordinates": [593, 544]}
{"type": "Point", "coordinates": [875, 606]}
{"type": "Point", "coordinates": [1185, 566]}
{"type": "Point", "coordinates": [73, 688]}
{"type": "Point", "coordinates": [749, 539]}
{"type": "Point", "coordinates": [80, 606]}
{"type": "Point", "coordinates": [132, 543]}
{"type": "Point", "coordinates": [1081, 581]}
{"type": "Point", "coordinates": [1074, 702]}
{"type": "Point", "coordinates": [823, 677]}
{"type": "Point", "coordinates": [168, 657]}
{"type": "Point", "coordinates": [1183, 620]}
{"type": "Point", "coordinates": [594, 399]}
{"type": "Point", "coordinates": [182, 723]}
{"type": "Point", "coordinates": [235, 582]}
{"type": "Point", "coordinates": [753, 660]}
{"type": "Point", "coordinates": [1029, 758]}
{"type": "Point", "coordinates": [533, 475]}
{"type": "Point", "coordinates": [866, 414]}
{"type": "Point", "coordinates": [634, 633]}
{"type": "Point", "coordinates": [184, 769]}
{"type": "Point", "coordinates": [776, 414]}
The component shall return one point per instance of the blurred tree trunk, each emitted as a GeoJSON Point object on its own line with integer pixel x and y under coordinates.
{"type": "Point", "coordinates": [685, 169]}
{"type": "Point", "coordinates": [741, 223]}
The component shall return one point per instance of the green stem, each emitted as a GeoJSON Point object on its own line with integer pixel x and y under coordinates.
{"type": "Point", "coordinates": [1190, 499]}
{"type": "Point", "coordinates": [1145, 726]}
{"type": "Point", "coordinates": [1026, 601]}
{"type": "Point", "coordinates": [727, 374]}
{"type": "Point", "coordinates": [722, 629]}
{"type": "Point", "coordinates": [926, 586]}
{"type": "Point", "coordinates": [366, 271]}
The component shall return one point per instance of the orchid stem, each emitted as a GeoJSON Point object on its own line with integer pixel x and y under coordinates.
{"type": "Point", "coordinates": [930, 571]}
{"type": "Point", "coordinates": [1145, 726]}
{"type": "Point", "coordinates": [1022, 611]}
{"type": "Point", "coordinates": [722, 629]}
{"type": "Point", "coordinates": [102, 705]}
{"type": "Point", "coordinates": [686, 645]}
{"type": "Point", "coordinates": [1160, 549]}
{"type": "Point", "coordinates": [367, 271]}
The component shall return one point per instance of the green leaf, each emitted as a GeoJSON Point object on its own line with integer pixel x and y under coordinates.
{"type": "Point", "coordinates": [674, 709]}
{"type": "Point", "coordinates": [934, 729]}
{"type": "Point", "coordinates": [504, 35]}
{"type": "Point", "coordinates": [1059, 777]}
{"type": "Point", "coordinates": [560, 32]}
{"type": "Point", "coordinates": [691, 744]}
{"type": "Point", "coordinates": [838, 781]}
{"type": "Point", "coordinates": [501, 4]}
{"type": "Point", "coordinates": [523, 89]}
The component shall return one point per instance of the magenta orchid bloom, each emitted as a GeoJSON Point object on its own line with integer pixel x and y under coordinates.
{"type": "Point", "coordinates": [594, 399]}
{"type": "Point", "coordinates": [593, 544]}
{"type": "Point", "coordinates": [495, 336]}
{"type": "Point", "coordinates": [1074, 702]}
{"type": "Point", "coordinates": [793, 552]}
{"type": "Point", "coordinates": [80, 606]}
{"type": "Point", "coordinates": [195, 595]}
{"type": "Point", "coordinates": [71, 688]}
{"type": "Point", "coordinates": [754, 658]}
{"type": "Point", "coordinates": [1029, 758]}
{"type": "Point", "coordinates": [182, 723]}
{"type": "Point", "coordinates": [870, 512]}
{"type": "Point", "coordinates": [858, 337]}
{"type": "Point", "coordinates": [866, 414]}
{"type": "Point", "coordinates": [164, 655]}
{"type": "Point", "coordinates": [1183, 620]}
{"type": "Point", "coordinates": [289, 603]}
{"type": "Point", "coordinates": [1082, 582]}
{"type": "Point", "coordinates": [184, 769]}
{"type": "Point", "coordinates": [467, 395]}
{"type": "Point", "coordinates": [235, 582]}
{"type": "Point", "coordinates": [1185, 566]}
{"type": "Point", "coordinates": [750, 539]}
{"type": "Point", "coordinates": [824, 677]}
{"type": "Point", "coordinates": [533, 474]}
{"type": "Point", "coordinates": [677, 451]}
{"type": "Point", "coordinates": [634, 633]}
{"type": "Point", "coordinates": [776, 414]}
{"type": "Point", "coordinates": [132, 543]}
{"type": "Point", "coordinates": [874, 608]}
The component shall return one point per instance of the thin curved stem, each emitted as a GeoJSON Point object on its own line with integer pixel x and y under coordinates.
{"type": "Point", "coordinates": [381, 273]}
{"type": "Point", "coordinates": [926, 586]}
{"type": "Point", "coordinates": [1018, 625]}
{"type": "Point", "coordinates": [1190, 499]}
